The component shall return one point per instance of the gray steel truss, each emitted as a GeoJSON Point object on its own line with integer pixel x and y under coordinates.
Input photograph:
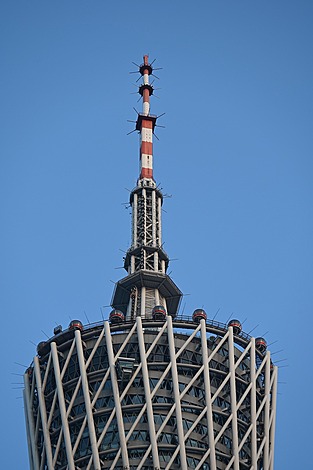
{"type": "Point", "coordinates": [151, 395]}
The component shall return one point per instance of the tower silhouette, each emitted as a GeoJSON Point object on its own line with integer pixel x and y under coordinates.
{"type": "Point", "coordinates": [150, 388]}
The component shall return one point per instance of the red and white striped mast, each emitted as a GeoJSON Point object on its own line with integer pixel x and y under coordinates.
{"type": "Point", "coordinates": [146, 122]}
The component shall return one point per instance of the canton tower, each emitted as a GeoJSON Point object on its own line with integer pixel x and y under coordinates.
{"type": "Point", "coordinates": [150, 388]}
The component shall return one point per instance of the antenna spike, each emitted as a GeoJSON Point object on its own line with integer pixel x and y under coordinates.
{"type": "Point", "coordinates": [128, 133]}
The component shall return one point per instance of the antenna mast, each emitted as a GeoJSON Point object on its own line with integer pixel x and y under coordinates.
{"type": "Point", "coordinates": [146, 122]}
{"type": "Point", "coordinates": [147, 285]}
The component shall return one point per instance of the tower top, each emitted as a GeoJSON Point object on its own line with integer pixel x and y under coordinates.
{"type": "Point", "coordinates": [146, 122]}
{"type": "Point", "coordinates": [147, 288]}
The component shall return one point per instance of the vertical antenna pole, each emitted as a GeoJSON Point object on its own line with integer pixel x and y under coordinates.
{"type": "Point", "coordinates": [146, 122]}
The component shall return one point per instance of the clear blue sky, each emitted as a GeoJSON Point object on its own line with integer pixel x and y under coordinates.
{"type": "Point", "coordinates": [236, 155]}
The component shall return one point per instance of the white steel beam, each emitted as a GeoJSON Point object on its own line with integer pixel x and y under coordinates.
{"type": "Point", "coordinates": [203, 412]}
{"type": "Point", "coordinates": [145, 376]}
{"type": "Point", "coordinates": [159, 235]}
{"type": "Point", "coordinates": [267, 412]}
{"type": "Point", "coordinates": [233, 399]}
{"type": "Point", "coordinates": [192, 381]}
{"type": "Point", "coordinates": [207, 390]}
{"type": "Point", "coordinates": [274, 398]}
{"type": "Point", "coordinates": [253, 405]}
{"type": "Point", "coordinates": [43, 414]}
{"type": "Point", "coordinates": [178, 412]}
{"type": "Point", "coordinates": [153, 218]}
{"type": "Point", "coordinates": [85, 387]}
{"type": "Point", "coordinates": [33, 454]}
{"type": "Point", "coordinates": [144, 219]}
{"type": "Point", "coordinates": [116, 395]}
{"type": "Point", "coordinates": [30, 457]}
{"type": "Point", "coordinates": [143, 302]}
{"type": "Point", "coordinates": [134, 212]}
{"type": "Point", "coordinates": [62, 407]}
{"type": "Point", "coordinates": [30, 421]}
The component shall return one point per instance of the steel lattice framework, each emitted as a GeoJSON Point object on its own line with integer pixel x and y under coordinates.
{"type": "Point", "coordinates": [150, 389]}
{"type": "Point", "coordinates": [198, 396]}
